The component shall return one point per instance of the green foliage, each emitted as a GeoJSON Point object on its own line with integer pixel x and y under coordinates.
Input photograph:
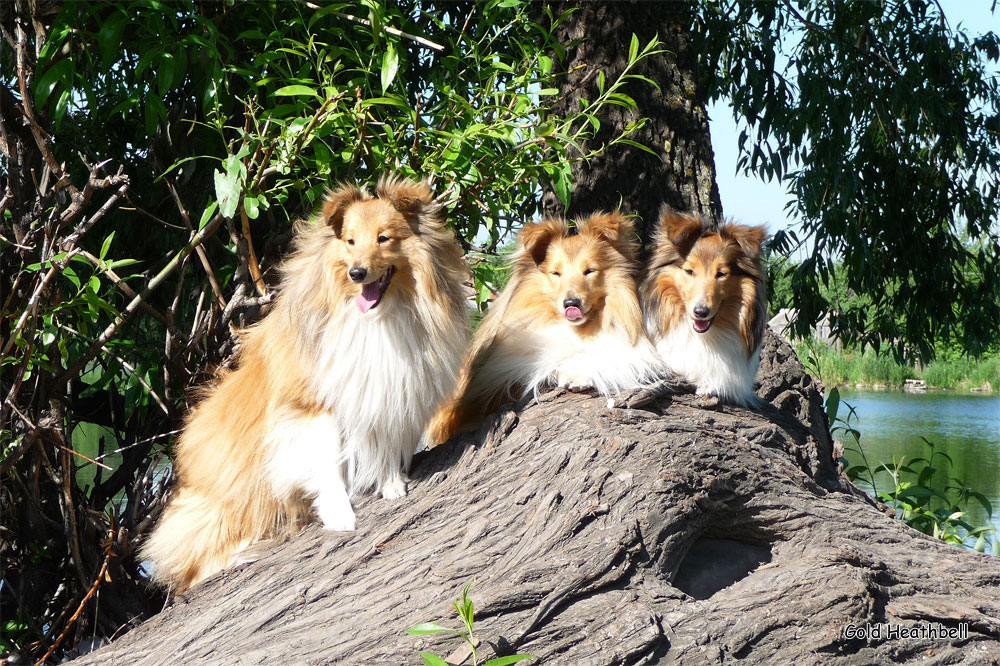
{"type": "Point", "coordinates": [920, 491]}
{"type": "Point", "coordinates": [466, 612]}
{"type": "Point", "coordinates": [229, 121]}
{"type": "Point", "coordinates": [881, 120]}
{"type": "Point", "coordinates": [853, 366]}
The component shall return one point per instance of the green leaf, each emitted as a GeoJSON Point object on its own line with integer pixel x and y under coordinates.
{"type": "Point", "coordinates": [106, 245]}
{"type": "Point", "coordinates": [227, 192]}
{"type": "Point", "coordinates": [118, 263]}
{"type": "Point", "coordinates": [432, 659]}
{"type": "Point", "coordinates": [633, 48]}
{"type": "Point", "coordinates": [296, 91]}
{"type": "Point", "coordinates": [428, 628]}
{"type": "Point", "coordinates": [511, 659]}
{"type": "Point", "coordinates": [833, 404]}
{"type": "Point", "coordinates": [636, 144]}
{"type": "Point", "coordinates": [110, 36]}
{"type": "Point", "coordinates": [207, 213]}
{"type": "Point", "coordinates": [251, 206]}
{"type": "Point", "coordinates": [58, 74]}
{"type": "Point", "coordinates": [390, 65]}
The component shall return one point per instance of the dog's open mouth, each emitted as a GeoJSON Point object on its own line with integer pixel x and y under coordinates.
{"type": "Point", "coordinates": [372, 293]}
{"type": "Point", "coordinates": [702, 325]}
{"type": "Point", "coordinates": [573, 313]}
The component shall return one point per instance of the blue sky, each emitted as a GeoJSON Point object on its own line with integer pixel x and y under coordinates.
{"type": "Point", "coordinates": [751, 201]}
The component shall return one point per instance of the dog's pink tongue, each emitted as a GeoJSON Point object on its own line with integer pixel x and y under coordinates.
{"type": "Point", "coordinates": [368, 297]}
{"type": "Point", "coordinates": [573, 313]}
{"type": "Point", "coordinates": [701, 325]}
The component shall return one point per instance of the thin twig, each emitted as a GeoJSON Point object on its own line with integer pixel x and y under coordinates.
{"type": "Point", "coordinates": [85, 226]}
{"type": "Point", "coordinates": [90, 593]}
{"type": "Point", "coordinates": [90, 460]}
{"type": "Point", "coordinates": [201, 251]}
{"type": "Point", "coordinates": [392, 31]}
{"type": "Point", "coordinates": [252, 263]}
{"type": "Point", "coordinates": [125, 289]}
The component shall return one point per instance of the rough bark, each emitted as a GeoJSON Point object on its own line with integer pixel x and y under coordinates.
{"type": "Point", "coordinates": [668, 532]}
{"type": "Point", "coordinates": [682, 171]}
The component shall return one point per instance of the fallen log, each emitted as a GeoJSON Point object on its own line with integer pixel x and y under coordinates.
{"type": "Point", "coordinates": [668, 531]}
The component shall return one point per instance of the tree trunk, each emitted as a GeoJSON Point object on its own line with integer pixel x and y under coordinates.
{"type": "Point", "coordinates": [670, 531]}
{"type": "Point", "coordinates": [681, 174]}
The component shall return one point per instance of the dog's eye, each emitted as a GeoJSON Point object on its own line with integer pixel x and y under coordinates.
{"type": "Point", "coordinates": [383, 239]}
{"type": "Point", "coordinates": [720, 274]}
{"type": "Point", "coordinates": [350, 241]}
{"type": "Point", "coordinates": [556, 273]}
{"type": "Point", "coordinates": [689, 271]}
{"type": "Point", "coordinates": [588, 271]}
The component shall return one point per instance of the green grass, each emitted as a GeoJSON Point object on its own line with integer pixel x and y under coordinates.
{"type": "Point", "coordinates": [851, 367]}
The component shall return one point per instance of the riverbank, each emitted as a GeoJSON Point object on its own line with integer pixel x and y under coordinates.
{"type": "Point", "coordinates": [867, 370]}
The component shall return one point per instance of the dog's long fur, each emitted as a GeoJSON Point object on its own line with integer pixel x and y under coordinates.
{"type": "Point", "coordinates": [698, 277]}
{"type": "Point", "coordinates": [527, 341]}
{"type": "Point", "coordinates": [333, 388]}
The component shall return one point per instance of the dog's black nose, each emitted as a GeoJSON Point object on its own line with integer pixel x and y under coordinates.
{"type": "Point", "coordinates": [700, 311]}
{"type": "Point", "coordinates": [571, 303]}
{"type": "Point", "coordinates": [358, 274]}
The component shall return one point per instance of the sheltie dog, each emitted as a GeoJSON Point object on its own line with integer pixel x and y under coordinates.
{"type": "Point", "coordinates": [333, 388]}
{"type": "Point", "coordinates": [705, 304]}
{"type": "Point", "coordinates": [569, 316]}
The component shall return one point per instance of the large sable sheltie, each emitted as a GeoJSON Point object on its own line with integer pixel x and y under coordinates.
{"type": "Point", "coordinates": [333, 388]}
{"type": "Point", "coordinates": [705, 303]}
{"type": "Point", "coordinates": [569, 316]}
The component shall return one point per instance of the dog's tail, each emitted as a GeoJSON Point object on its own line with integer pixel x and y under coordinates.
{"type": "Point", "coordinates": [192, 541]}
{"type": "Point", "coordinates": [199, 536]}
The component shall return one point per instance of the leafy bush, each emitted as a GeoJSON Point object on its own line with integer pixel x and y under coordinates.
{"type": "Point", "coordinates": [924, 504]}
{"type": "Point", "coordinates": [466, 612]}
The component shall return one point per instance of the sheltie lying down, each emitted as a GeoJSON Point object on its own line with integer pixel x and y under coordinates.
{"type": "Point", "coordinates": [705, 303]}
{"type": "Point", "coordinates": [333, 388]}
{"type": "Point", "coordinates": [569, 316]}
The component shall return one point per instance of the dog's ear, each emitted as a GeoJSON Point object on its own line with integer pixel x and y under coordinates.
{"type": "Point", "coordinates": [748, 238]}
{"type": "Point", "coordinates": [336, 204]}
{"type": "Point", "coordinates": [536, 237]}
{"type": "Point", "coordinates": [679, 229]}
{"type": "Point", "coordinates": [410, 198]}
{"type": "Point", "coordinates": [615, 229]}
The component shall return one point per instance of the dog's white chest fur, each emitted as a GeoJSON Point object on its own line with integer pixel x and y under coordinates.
{"type": "Point", "coordinates": [378, 378]}
{"type": "Point", "coordinates": [608, 362]}
{"type": "Point", "coordinates": [715, 362]}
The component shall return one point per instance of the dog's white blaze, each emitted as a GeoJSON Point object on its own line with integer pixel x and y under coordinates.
{"type": "Point", "coordinates": [556, 355]}
{"type": "Point", "coordinates": [713, 361]}
{"type": "Point", "coordinates": [379, 379]}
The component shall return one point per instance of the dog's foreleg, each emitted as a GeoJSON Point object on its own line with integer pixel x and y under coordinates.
{"type": "Point", "coordinates": [333, 504]}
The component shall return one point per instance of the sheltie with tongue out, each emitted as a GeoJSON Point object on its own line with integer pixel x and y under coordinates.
{"type": "Point", "coordinates": [705, 303]}
{"type": "Point", "coordinates": [333, 388]}
{"type": "Point", "coordinates": [569, 316]}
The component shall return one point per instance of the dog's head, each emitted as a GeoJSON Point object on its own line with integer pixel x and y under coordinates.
{"type": "Point", "coordinates": [704, 270]}
{"type": "Point", "coordinates": [375, 234]}
{"type": "Point", "coordinates": [577, 271]}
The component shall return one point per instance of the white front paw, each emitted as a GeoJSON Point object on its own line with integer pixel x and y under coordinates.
{"type": "Point", "coordinates": [337, 516]}
{"type": "Point", "coordinates": [573, 382]}
{"type": "Point", "coordinates": [394, 488]}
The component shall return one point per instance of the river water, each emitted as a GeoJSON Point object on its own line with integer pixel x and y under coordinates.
{"type": "Point", "coordinates": [965, 426]}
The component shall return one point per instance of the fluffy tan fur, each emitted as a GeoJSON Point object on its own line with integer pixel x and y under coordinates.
{"type": "Point", "coordinates": [320, 368]}
{"type": "Point", "coordinates": [711, 279]}
{"type": "Point", "coordinates": [513, 349]}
